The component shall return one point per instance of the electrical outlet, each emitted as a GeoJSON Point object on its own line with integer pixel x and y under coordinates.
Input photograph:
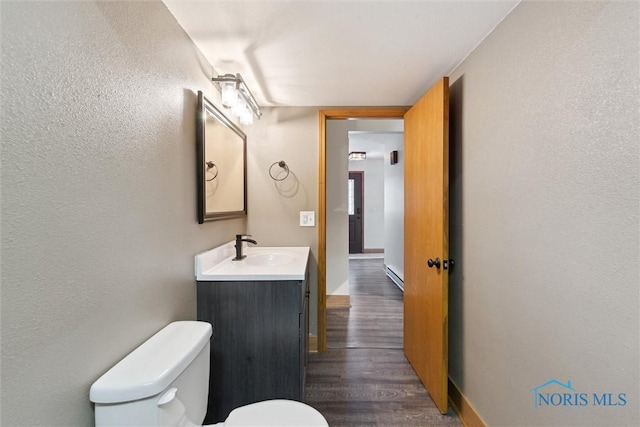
{"type": "Point", "coordinates": [307, 219]}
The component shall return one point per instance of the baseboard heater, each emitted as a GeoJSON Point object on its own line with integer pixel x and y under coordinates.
{"type": "Point", "coordinates": [394, 277]}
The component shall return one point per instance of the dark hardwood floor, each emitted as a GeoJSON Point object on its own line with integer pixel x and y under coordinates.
{"type": "Point", "coordinates": [363, 378]}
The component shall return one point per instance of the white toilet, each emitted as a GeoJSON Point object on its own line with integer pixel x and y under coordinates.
{"type": "Point", "coordinates": [165, 382]}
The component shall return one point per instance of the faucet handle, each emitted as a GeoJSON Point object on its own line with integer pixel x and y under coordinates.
{"type": "Point", "coordinates": [240, 236]}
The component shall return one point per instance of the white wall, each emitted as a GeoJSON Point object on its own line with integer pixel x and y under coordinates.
{"type": "Point", "coordinates": [289, 134]}
{"type": "Point", "coordinates": [99, 225]}
{"type": "Point", "coordinates": [337, 215]}
{"type": "Point", "coordinates": [394, 206]}
{"type": "Point", "coordinates": [544, 207]}
{"type": "Point", "coordinates": [373, 199]}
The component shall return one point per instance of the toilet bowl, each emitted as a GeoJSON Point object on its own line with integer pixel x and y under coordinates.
{"type": "Point", "coordinates": [281, 413]}
{"type": "Point", "coordinates": [165, 382]}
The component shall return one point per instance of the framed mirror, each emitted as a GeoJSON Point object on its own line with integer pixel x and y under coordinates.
{"type": "Point", "coordinates": [221, 155]}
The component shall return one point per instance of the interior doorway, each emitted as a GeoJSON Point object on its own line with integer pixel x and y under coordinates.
{"type": "Point", "coordinates": [324, 116]}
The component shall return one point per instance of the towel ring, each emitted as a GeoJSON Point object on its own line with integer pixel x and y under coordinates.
{"type": "Point", "coordinates": [283, 165]}
{"type": "Point", "coordinates": [211, 165]}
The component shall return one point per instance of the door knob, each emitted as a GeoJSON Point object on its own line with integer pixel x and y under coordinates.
{"type": "Point", "coordinates": [432, 263]}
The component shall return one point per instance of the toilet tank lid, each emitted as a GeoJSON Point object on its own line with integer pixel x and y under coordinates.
{"type": "Point", "coordinates": [153, 366]}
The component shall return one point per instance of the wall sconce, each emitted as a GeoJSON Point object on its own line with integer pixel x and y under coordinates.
{"type": "Point", "coordinates": [357, 155]}
{"type": "Point", "coordinates": [237, 96]}
{"type": "Point", "coordinates": [393, 157]}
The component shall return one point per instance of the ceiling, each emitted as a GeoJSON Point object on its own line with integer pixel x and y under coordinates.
{"type": "Point", "coordinates": [338, 53]}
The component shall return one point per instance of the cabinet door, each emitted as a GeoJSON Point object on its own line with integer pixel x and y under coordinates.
{"type": "Point", "coordinates": [255, 344]}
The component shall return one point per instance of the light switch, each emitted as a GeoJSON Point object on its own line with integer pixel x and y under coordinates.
{"type": "Point", "coordinates": [307, 219]}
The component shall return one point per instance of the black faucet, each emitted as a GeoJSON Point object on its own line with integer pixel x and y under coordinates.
{"type": "Point", "coordinates": [239, 240]}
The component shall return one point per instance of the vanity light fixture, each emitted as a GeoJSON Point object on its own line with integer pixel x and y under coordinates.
{"type": "Point", "coordinates": [357, 155]}
{"type": "Point", "coordinates": [237, 96]}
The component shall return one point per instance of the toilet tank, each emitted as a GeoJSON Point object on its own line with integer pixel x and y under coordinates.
{"type": "Point", "coordinates": [164, 382]}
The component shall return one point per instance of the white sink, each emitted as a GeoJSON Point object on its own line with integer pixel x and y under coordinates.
{"type": "Point", "coordinates": [261, 263]}
{"type": "Point", "coordinates": [270, 259]}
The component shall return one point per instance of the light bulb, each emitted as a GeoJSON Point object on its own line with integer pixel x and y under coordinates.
{"type": "Point", "coordinates": [247, 116]}
{"type": "Point", "coordinates": [238, 109]}
{"type": "Point", "coordinates": [229, 95]}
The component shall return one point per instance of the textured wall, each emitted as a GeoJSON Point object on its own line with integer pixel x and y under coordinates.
{"type": "Point", "coordinates": [289, 134]}
{"type": "Point", "coordinates": [99, 222]}
{"type": "Point", "coordinates": [544, 214]}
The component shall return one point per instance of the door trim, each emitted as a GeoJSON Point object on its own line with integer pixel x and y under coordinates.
{"type": "Point", "coordinates": [323, 116]}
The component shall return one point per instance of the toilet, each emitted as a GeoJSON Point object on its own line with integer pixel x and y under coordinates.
{"type": "Point", "coordinates": [165, 382]}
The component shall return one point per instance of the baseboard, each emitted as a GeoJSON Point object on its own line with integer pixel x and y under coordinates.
{"type": "Point", "coordinates": [313, 343]}
{"type": "Point", "coordinates": [467, 414]}
{"type": "Point", "coordinates": [373, 251]}
{"type": "Point", "coordinates": [394, 277]}
{"type": "Point", "coordinates": [338, 301]}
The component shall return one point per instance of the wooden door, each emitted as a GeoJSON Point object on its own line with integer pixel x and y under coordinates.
{"type": "Point", "coordinates": [426, 210]}
{"type": "Point", "coordinates": [355, 213]}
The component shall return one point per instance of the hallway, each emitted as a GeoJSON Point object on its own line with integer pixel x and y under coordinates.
{"type": "Point", "coordinates": [363, 378]}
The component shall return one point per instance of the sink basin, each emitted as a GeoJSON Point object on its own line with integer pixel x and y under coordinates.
{"type": "Point", "coordinates": [271, 259]}
{"type": "Point", "coordinates": [261, 263]}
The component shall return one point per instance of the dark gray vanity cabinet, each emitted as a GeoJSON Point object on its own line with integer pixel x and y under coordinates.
{"type": "Point", "coordinates": [259, 346]}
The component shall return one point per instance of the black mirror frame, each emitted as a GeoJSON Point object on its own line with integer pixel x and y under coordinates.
{"type": "Point", "coordinates": [204, 106]}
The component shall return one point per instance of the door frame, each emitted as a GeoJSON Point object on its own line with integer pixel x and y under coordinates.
{"type": "Point", "coordinates": [324, 115]}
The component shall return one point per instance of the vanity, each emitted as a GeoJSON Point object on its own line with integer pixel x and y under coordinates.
{"type": "Point", "coordinates": [259, 310]}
